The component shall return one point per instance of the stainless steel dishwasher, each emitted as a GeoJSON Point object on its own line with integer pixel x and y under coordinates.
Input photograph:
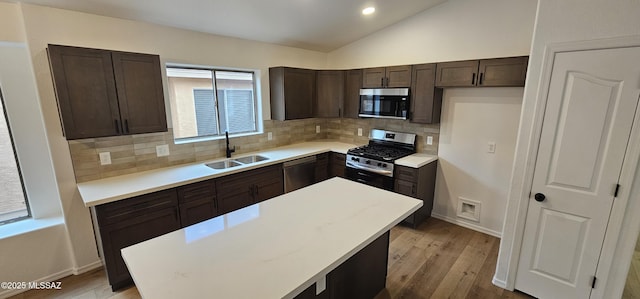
{"type": "Point", "coordinates": [299, 173]}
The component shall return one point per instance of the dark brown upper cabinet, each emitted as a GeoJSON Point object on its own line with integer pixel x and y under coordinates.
{"type": "Point", "coordinates": [382, 77]}
{"type": "Point", "coordinates": [330, 93]}
{"type": "Point", "coordinates": [353, 83]}
{"type": "Point", "coordinates": [292, 92]}
{"type": "Point", "coordinates": [426, 99]}
{"type": "Point", "coordinates": [107, 93]}
{"type": "Point", "coordinates": [486, 72]}
{"type": "Point", "coordinates": [503, 71]}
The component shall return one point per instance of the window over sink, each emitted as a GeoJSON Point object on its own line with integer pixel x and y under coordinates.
{"type": "Point", "coordinates": [199, 113]}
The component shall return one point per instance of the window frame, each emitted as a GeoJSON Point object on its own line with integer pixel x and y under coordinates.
{"type": "Point", "coordinates": [18, 166]}
{"type": "Point", "coordinates": [257, 101]}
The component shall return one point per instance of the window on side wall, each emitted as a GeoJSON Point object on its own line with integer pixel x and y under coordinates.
{"type": "Point", "coordinates": [199, 113]}
{"type": "Point", "coordinates": [13, 201]}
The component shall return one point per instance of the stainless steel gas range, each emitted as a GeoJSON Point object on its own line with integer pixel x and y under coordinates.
{"type": "Point", "coordinates": [373, 164]}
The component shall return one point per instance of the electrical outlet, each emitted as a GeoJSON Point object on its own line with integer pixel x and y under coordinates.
{"type": "Point", "coordinates": [105, 158]}
{"type": "Point", "coordinates": [269, 136]}
{"type": "Point", "coordinates": [162, 150]}
{"type": "Point", "coordinates": [317, 129]}
{"type": "Point", "coordinates": [359, 131]}
{"type": "Point", "coordinates": [429, 140]}
{"type": "Point", "coordinates": [491, 147]}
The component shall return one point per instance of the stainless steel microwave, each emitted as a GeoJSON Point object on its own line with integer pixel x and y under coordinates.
{"type": "Point", "coordinates": [384, 102]}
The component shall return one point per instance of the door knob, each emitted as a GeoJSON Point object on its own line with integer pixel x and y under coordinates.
{"type": "Point", "coordinates": [539, 197]}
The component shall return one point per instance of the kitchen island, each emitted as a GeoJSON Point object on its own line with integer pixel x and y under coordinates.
{"type": "Point", "coordinates": [292, 245]}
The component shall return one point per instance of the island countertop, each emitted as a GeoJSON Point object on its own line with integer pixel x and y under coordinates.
{"type": "Point", "coordinates": [273, 249]}
{"type": "Point", "coordinates": [125, 186]}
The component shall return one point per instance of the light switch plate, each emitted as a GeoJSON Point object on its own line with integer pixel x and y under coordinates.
{"type": "Point", "coordinates": [162, 150]}
{"type": "Point", "coordinates": [429, 140]}
{"type": "Point", "coordinates": [359, 131]}
{"type": "Point", "coordinates": [317, 129]}
{"type": "Point", "coordinates": [491, 147]}
{"type": "Point", "coordinates": [269, 136]}
{"type": "Point", "coordinates": [105, 158]}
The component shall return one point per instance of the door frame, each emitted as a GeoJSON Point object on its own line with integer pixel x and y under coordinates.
{"type": "Point", "coordinates": [622, 229]}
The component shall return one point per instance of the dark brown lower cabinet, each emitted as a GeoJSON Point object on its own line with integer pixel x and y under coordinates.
{"type": "Point", "coordinates": [322, 167]}
{"type": "Point", "coordinates": [242, 189]}
{"type": "Point", "coordinates": [337, 164]}
{"type": "Point", "coordinates": [362, 276]}
{"type": "Point", "coordinates": [125, 223]}
{"type": "Point", "coordinates": [418, 183]}
{"type": "Point", "coordinates": [197, 202]}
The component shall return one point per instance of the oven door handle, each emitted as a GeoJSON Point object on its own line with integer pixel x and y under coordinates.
{"type": "Point", "coordinates": [378, 171]}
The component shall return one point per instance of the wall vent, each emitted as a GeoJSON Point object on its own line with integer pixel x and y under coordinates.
{"type": "Point", "coordinates": [469, 209]}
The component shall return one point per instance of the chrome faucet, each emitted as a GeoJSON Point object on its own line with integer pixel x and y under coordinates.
{"type": "Point", "coordinates": [229, 150]}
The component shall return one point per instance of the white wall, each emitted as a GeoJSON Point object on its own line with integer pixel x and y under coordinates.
{"type": "Point", "coordinates": [561, 21]}
{"type": "Point", "coordinates": [454, 30]}
{"type": "Point", "coordinates": [472, 117]}
{"type": "Point", "coordinates": [44, 252]}
{"type": "Point", "coordinates": [459, 30]}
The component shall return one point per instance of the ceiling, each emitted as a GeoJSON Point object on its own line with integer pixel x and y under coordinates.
{"type": "Point", "coordinates": [320, 25]}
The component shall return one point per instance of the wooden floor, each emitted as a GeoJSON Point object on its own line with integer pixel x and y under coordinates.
{"type": "Point", "coordinates": [436, 260]}
{"type": "Point", "coordinates": [632, 286]}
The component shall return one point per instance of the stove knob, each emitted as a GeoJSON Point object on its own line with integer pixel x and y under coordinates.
{"type": "Point", "coordinates": [384, 165]}
{"type": "Point", "coordinates": [368, 162]}
{"type": "Point", "coordinates": [379, 164]}
{"type": "Point", "coordinates": [355, 159]}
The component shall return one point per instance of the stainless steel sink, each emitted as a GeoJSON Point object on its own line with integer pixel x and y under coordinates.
{"type": "Point", "coordinates": [251, 159]}
{"type": "Point", "coordinates": [236, 162]}
{"type": "Point", "coordinates": [223, 164]}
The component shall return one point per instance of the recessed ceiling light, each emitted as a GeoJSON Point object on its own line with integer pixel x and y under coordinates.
{"type": "Point", "coordinates": [369, 10]}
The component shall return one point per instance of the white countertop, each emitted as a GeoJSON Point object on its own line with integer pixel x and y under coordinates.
{"type": "Point", "coordinates": [416, 160]}
{"type": "Point", "coordinates": [274, 249]}
{"type": "Point", "coordinates": [115, 188]}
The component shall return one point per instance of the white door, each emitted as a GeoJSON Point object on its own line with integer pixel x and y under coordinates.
{"type": "Point", "coordinates": [591, 103]}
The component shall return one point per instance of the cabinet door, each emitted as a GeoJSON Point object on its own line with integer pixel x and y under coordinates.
{"type": "Point", "coordinates": [337, 165]}
{"type": "Point", "coordinates": [299, 93]}
{"type": "Point", "coordinates": [269, 188]}
{"type": "Point", "coordinates": [234, 192]}
{"type": "Point", "coordinates": [457, 73]}
{"type": "Point", "coordinates": [197, 202]}
{"type": "Point", "coordinates": [398, 76]}
{"type": "Point", "coordinates": [86, 91]}
{"type": "Point", "coordinates": [268, 182]}
{"type": "Point", "coordinates": [405, 188]}
{"type": "Point", "coordinates": [197, 211]}
{"type": "Point", "coordinates": [130, 232]}
{"type": "Point", "coordinates": [292, 93]}
{"type": "Point", "coordinates": [353, 83]}
{"type": "Point", "coordinates": [140, 96]}
{"type": "Point", "coordinates": [322, 167]}
{"type": "Point", "coordinates": [330, 93]}
{"type": "Point", "coordinates": [426, 99]}
{"type": "Point", "coordinates": [503, 71]}
{"type": "Point", "coordinates": [373, 77]}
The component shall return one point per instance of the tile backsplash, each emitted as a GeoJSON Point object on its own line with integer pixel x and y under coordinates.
{"type": "Point", "coordinates": [136, 153]}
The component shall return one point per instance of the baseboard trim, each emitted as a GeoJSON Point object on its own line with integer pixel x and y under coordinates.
{"type": "Point", "coordinates": [467, 225]}
{"type": "Point", "coordinates": [55, 277]}
{"type": "Point", "coordinates": [86, 268]}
